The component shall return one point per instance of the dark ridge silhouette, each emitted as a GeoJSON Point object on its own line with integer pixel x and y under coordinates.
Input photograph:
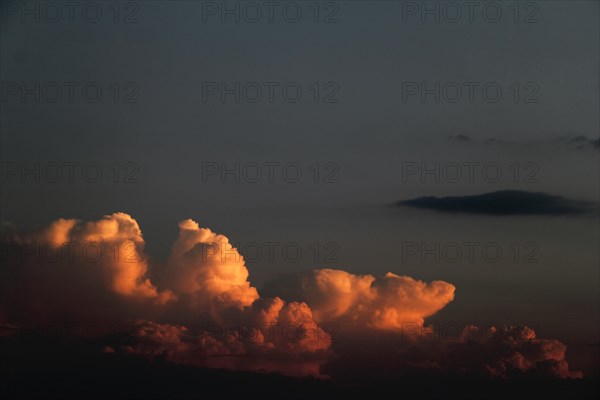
{"type": "Point", "coordinates": [504, 202]}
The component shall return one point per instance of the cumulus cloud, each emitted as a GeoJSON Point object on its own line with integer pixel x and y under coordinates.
{"type": "Point", "coordinates": [78, 270]}
{"type": "Point", "coordinates": [274, 336]}
{"type": "Point", "coordinates": [98, 272]}
{"type": "Point", "coordinates": [389, 302]}
{"type": "Point", "coordinates": [511, 350]}
{"type": "Point", "coordinates": [501, 352]}
{"type": "Point", "coordinates": [208, 270]}
{"type": "Point", "coordinates": [199, 308]}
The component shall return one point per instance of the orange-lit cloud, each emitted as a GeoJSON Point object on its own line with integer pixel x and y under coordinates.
{"type": "Point", "coordinates": [73, 270]}
{"type": "Point", "coordinates": [273, 336]}
{"type": "Point", "coordinates": [390, 302]}
{"type": "Point", "coordinates": [205, 268]}
{"type": "Point", "coordinates": [200, 309]}
{"type": "Point", "coordinates": [114, 245]}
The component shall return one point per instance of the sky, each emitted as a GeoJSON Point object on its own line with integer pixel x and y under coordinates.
{"type": "Point", "coordinates": [199, 117]}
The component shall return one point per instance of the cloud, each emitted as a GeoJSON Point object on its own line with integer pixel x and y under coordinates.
{"type": "Point", "coordinates": [568, 142]}
{"type": "Point", "coordinates": [504, 202]}
{"type": "Point", "coordinates": [274, 336]}
{"type": "Point", "coordinates": [461, 137]}
{"type": "Point", "coordinates": [199, 308]}
{"type": "Point", "coordinates": [388, 302]}
{"type": "Point", "coordinates": [512, 350]}
{"type": "Point", "coordinates": [208, 270]}
{"type": "Point", "coordinates": [98, 273]}
{"type": "Point", "coordinates": [73, 270]}
{"type": "Point", "coordinates": [500, 352]}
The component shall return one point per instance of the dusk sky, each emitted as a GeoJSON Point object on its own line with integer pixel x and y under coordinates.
{"type": "Point", "coordinates": [374, 174]}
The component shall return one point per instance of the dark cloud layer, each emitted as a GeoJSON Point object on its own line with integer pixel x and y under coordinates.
{"type": "Point", "coordinates": [569, 142]}
{"type": "Point", "coordinates": [92, 374]}
{"type": "Point", "coordinates": [504, 202]}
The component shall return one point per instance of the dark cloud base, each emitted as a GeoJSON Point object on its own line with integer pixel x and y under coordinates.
{"type": "Point", "coordinates": [39, 367]}
{"type": "Point", "coordinates": [504, 202]}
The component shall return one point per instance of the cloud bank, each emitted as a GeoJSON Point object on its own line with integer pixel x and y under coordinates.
{"type": "Point", "coordinates": [199, 308]}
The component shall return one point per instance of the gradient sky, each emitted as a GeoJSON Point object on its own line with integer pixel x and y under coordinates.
{"type": "Point", "coordinates": [369, 135]}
